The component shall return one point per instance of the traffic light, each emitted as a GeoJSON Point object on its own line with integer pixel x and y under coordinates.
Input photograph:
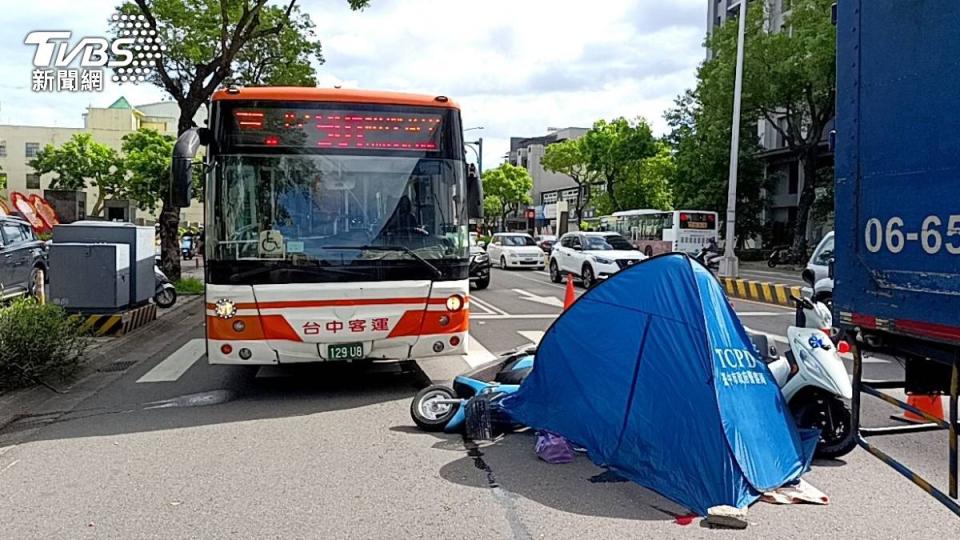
{"type": "Point", "coordinates": [531, 220]}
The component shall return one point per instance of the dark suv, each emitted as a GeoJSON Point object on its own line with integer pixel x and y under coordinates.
{"type": "Point", "coordinates": [22, 257]}
{"type": "Point", "coordinates": [479, 265]}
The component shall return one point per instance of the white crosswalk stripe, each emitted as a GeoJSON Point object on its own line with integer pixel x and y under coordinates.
{"type": "Point", "coordinates": [175, 365]}
{"type": "Point", "coordinates": [533, 336]}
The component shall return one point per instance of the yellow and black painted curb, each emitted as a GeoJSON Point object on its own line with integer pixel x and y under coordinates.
{"type": "Point", "coordinates": [760, 291]}
{"type": "Point", "coordinates": [118, 324]}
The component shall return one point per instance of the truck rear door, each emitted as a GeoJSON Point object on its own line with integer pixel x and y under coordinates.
{"type": "Point", "coordinates": [898, 166]}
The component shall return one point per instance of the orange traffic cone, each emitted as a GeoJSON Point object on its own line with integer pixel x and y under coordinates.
{"type": "Point", "coordinates": [569, 297]}
{"type": "Point", "coordinates": [932, 405]}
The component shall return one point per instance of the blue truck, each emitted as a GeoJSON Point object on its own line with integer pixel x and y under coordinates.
{"type": "Point", "coordinates": [897, 268]}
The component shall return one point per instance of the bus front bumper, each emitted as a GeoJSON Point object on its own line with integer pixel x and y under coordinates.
{"type": "Point", "coordinates": [265, 353]}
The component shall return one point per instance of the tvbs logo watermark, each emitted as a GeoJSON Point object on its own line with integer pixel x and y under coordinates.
{"type": "Point", "coordinates": [62, 67]}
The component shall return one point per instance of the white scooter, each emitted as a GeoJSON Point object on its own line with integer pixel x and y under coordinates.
{"type": "Point", "coordinates": [813, 379]}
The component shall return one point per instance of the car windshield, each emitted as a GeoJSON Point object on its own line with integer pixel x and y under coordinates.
{"type": "Point", "coordinates": [334, 210]}
{"type": "Point", "coordinates": [607, 243]}
{"type": "Point", "coordinates": [518, 240]}
{"type": "Point", "coordinates": [825, 253]}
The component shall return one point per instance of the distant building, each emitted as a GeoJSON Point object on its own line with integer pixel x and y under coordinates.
{"type": "Point", "coordinates": [548, 187]}
{"type": "Point", "coordinates": [781, 166]}
{"type": "Point", "coordinates": [20, 144]}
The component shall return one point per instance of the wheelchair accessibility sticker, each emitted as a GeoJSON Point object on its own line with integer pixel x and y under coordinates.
{"type": "Point", "coordinates": [271, 244]}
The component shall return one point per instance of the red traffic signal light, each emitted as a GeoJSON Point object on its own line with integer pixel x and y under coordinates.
{"type": "Point", "coordinates": [531, 213]}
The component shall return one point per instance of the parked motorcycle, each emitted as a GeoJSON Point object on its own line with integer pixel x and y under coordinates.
{"type": "Point", "coordinates": [813, 379]}
{"type": "Point", "coordinates": [785, 255]}
{"type": "Point", "coordinates": [165, 294]}
{"type": "Point", "coordinates": [708, 258]}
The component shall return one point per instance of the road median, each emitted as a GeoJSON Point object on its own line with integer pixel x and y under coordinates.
{"type": "Point", "coordinates": [760, 291]}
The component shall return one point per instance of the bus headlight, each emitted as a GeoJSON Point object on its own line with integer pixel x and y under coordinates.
{"type": "Point", "coordinates": [455, 303]}
{"type": "Point", "coordinates": [225, 309]}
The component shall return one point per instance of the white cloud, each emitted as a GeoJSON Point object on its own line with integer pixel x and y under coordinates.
{"type": "Point", "coordinates": [516, 67]}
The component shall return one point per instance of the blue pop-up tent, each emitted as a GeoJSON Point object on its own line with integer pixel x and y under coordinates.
{"type": "Point", "coordinates": [653, 373]}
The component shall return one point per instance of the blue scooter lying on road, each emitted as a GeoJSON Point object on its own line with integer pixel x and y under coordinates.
{"type": "Point", "coordinates": [472, 405]}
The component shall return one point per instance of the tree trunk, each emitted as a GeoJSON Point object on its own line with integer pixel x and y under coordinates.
{"type": "Point", "coordinates": [169, 240]}
{"type": "Point", "coordinates": [97, 206]}
{"type": "Point", "coordinates": [807, 197]}
{"type": "Point", "coordinates": [611, 183]}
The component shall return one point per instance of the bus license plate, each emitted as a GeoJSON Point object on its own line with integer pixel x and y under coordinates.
{"type": "Point", "coordinates": [345, 351]}
{"type": "Point", "coordinates": [697, 225]}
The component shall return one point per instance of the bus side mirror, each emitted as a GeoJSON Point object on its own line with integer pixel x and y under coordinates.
{"type": "Point", "coordinates": [474, 196]}
{"type": "Point", "coordinates": [182, 168]}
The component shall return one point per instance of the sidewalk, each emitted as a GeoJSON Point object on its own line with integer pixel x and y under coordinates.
{"type": "Point", "coordinates": [97, 370]}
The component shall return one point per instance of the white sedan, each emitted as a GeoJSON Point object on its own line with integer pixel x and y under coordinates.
{"type": "Point", "coordinates": [515, 250]}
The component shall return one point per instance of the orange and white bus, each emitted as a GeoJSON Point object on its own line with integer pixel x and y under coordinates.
{"type": "Point", "coordinates": [336, 225]}
{"type": "Point", "coordinates": [657, 231]}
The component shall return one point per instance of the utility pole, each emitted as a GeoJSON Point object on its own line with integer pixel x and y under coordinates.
{"type": "Point", "coordinates": [729, 264]}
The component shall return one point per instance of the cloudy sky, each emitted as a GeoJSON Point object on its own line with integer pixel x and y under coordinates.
{"type": "Point", "coordinates": [517, 67]}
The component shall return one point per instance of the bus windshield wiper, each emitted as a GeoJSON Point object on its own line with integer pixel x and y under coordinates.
{"type": "Point", "coordinates": [403, 249]}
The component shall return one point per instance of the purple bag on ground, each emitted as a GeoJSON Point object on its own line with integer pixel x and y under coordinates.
{"type": "Point", "coordinates": [553, 448]}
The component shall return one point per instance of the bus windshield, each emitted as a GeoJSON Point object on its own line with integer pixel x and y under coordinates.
{"type": "Point", "coordinates": [338, 211]}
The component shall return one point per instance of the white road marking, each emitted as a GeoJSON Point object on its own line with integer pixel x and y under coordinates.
{"type": "Point", "coordinates": [175, 365]}
{"type": "Point", "coordinates": [541, 282]}
{"type": "Point", "coordinates": [489, 307]}
{"type": "Point", "coordinates": [545, 300]}
{"type": "Point", "coordinates": [759, 314]}
{"type": "Point", "coordinates": [475, 304]}
{"type": "Point", "coordinates": [533, 336]}
{"type": "Point", "coordinates": [780, 275]}
{"type": "Point", "coordinates": [764, 304]}
{"type": "Point", "coordinates": [477, 354]}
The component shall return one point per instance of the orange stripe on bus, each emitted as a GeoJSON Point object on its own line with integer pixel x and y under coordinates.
{"type": "Point", "coordinates": [255, 328]}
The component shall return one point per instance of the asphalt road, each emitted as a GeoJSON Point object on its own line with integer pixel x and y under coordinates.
{"type": "Point", "coordinates": [759, 271]}
{"type": "Point", "coordinates": [210, 452]}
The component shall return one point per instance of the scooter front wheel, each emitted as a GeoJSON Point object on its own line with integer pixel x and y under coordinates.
{"type": "Point", "coordinates": [166, 297]}
{"type": "Point", "coordinates": [832, 417]}
{"type": "Point", "coordinates": [432, 409]}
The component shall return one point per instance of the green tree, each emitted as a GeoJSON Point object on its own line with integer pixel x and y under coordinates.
{"type": "Point", "coordinates": [612, 148]}
{"type": "Point", "coordinates": [146, 163]}
{"type": "Point", "coordinates": [568, 157]}
{"type": "Point", "coordinates": [700, 140]}
{"type": "Point", "coordinates": [211, 42]}
{"type": "Point", "coordinates": [81, 160]}
{"type": "Point", "coordinates": [789, 82]}
{"type": "Point", "coordinates": [492, 208]}
{"type": "Point", "coordinates": [645, 183]}
{"type": "Point", "coordinates": [511, 185]}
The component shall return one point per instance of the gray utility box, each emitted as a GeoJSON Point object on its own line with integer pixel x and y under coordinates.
{"type": "Point", "coordinates": [139, 239]}
{"type": "Point", "coordinates": [90, 277]}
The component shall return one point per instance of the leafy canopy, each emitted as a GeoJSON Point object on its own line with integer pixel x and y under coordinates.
{"type": "Point", "coordinates": [213, 42]}
{"type": "Point", "coordinates": [146, 161]}
{"type": "Point", "coordinates": [612, 148]}
{"type": "Point", "coordinates": [508, 183]}
{"type": "Point", "coordinates": [81, 160]}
